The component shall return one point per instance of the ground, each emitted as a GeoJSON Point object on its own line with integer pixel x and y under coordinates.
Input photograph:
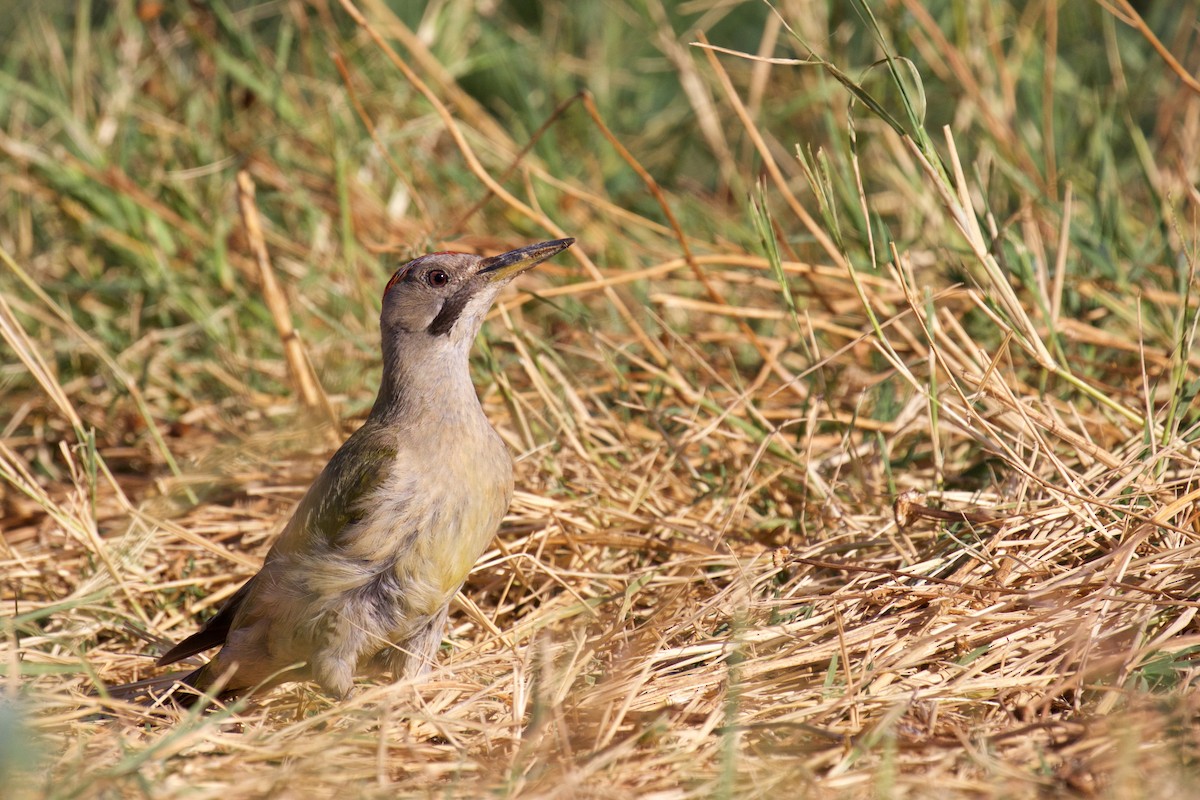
{"type": "Point", "coordinates": [855, 438]}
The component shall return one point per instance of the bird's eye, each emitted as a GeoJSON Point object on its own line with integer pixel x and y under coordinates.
{"type": "Point", "coordinates": [436, 278]}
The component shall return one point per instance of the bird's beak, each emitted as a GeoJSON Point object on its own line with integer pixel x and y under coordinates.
{"type": "Point", "coordinates": [511, 264]}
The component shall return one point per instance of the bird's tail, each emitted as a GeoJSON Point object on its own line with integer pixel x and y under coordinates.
{"type": "Point", "coordinates": [180, 689]}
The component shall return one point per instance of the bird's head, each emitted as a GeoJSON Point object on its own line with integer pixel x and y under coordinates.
{"type": "Point", "coordinates": [440, 299]}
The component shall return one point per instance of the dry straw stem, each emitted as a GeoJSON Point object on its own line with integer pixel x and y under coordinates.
{"type": "Point", "coordinates": [760, 144]}
{"type": "Point", "coordinates": [301, 368]}
{"type": "Point", "coordinates": [1124, 10]}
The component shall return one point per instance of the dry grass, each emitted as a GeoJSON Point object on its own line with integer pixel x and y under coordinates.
{"type": "Point", "coordinates": [808, 505]}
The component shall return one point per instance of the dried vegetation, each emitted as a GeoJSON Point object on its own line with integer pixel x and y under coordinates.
{"type": "Point", "coordinates": [857, 448]}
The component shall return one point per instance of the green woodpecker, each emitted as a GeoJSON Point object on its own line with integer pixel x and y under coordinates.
{"type": "Point", "coordinates": [361, 579]}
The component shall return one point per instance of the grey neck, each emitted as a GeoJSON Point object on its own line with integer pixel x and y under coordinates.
{"type": "Point", "coordinates": [432, 389]}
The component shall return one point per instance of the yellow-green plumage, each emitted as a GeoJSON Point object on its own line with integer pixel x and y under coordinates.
{"type": "Point", "coordinates": [361, 578]}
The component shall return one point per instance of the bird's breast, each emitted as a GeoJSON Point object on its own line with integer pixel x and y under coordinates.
{"type": "Point", "coordinates": [435, 513]}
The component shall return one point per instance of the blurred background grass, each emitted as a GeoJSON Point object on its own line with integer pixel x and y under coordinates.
{"type": "Point", "coordinates": [124, 123]}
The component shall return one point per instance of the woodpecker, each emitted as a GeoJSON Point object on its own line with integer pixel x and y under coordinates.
{"type": "Point", "coordinates": [361, 579]}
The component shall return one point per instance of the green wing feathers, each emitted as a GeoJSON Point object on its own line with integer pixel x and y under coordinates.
{"type": "Point", "coordinates": [336, 498]}
{"type": "Point", "coordinates": [340, 492]}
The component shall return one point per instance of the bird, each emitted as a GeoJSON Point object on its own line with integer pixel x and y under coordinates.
{"type": "Point", "coordinates": [360, 580]}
